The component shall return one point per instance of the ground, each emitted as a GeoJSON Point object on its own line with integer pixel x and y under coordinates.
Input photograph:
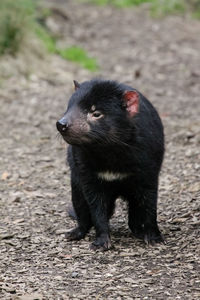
{"type": "Point", "coordinates": [160, 57]}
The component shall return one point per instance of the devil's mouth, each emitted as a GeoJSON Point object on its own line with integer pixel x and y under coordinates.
{"type": "Point", "coordinates": [68, 139]}
{"type": "Point", "coordinates": [75, 140]}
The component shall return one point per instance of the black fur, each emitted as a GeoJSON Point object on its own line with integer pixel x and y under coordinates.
{"type": "Point", "coordinates": [105, 137]}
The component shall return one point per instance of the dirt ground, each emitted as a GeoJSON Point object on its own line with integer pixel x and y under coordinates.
{"type": "Point", "coordinates": [161, 58]}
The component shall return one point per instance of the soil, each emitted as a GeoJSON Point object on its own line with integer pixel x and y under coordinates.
{"type": "Point", "coordinates": [160, 57]}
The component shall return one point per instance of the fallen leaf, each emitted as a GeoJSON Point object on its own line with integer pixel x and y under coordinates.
{"type": "Point", "coordinates": [5, 175]}
{"type": "Point", "coordinates": [195, 187]}
{"type": "Point", "coordinates": [179, 220]}
{"type": "Point", "coordinates": [34, 296]}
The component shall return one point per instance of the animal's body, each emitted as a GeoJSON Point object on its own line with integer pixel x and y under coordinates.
{"type": "Point", "coordinates": [116, 150]}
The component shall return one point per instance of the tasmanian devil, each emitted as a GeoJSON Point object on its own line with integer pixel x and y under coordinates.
{"type": "Point", "coordinates": [116, 150]}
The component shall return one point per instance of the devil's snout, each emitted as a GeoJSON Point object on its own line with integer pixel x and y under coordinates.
{"type": "Point", "coordinates": [62, 125]}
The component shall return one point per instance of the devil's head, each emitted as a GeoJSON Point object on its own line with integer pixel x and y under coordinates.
{"type": "Point", "coordinates": [99, 112]}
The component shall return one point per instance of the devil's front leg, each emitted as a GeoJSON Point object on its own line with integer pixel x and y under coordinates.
{"type": "Point", "coordinates": [99, 201]}
{"type": "Point", "coordinates": [101, 223]}
{"type": "Point", "coordinates": [81, 209]}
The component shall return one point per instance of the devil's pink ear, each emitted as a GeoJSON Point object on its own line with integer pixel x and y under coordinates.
{"type": "Point", "coordinates": [76, 85]}
{"type": "Point", "coordinates": [131, 99]}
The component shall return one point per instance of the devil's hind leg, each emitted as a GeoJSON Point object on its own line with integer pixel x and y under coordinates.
{"type": "Point", "coordinates": [142, 214]}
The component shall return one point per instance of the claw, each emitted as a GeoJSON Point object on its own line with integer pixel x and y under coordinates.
{"type": "Point", "coordinates": [152, 239]}
{"type": "Point", "coordinates": [101, 243]}
{"type": "Point", "coordinates": [74, 234]}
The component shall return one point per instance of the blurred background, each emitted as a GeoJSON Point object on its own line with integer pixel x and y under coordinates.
{"type": "Point", "coordinates": [93, 34]}
{"type": "Point", "coordinates": [152, 45]}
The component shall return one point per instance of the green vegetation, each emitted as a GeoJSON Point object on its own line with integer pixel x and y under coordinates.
{"type": "Point", "coordinates": [16, 19]}
{"type": "Point", "coordinates": [21, 20]}
{"type": "Point", "coordinates": [158, 7]}
{"type": "Point", "coordinates": [74, 53]}
{"type": "Point", "coordinates": [120, 3]}
{"type": "Point", "coordinates": [196, 8]}
{"type": "Point", "coordinates": [166, 7]}
{"type": "Point", "coordinates": [79, 55]}
{"type": "Point", "coordinates": [48, 41]}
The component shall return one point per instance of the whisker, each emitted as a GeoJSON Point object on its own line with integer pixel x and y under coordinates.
{"type": "Point", "coordinates": [60, 139]}
{"type": "Point", "coordinates": [107, 139]}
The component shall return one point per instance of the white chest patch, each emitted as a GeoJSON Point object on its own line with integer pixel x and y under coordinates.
{"type": "Point", "coordinates": [110, 176]}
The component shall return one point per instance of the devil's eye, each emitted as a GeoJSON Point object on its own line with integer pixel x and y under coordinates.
{"type": "Point", "coordinates": [97, 114]}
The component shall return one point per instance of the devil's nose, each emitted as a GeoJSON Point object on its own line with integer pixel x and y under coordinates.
{"type": "Point", "coordinates": [61, 125]}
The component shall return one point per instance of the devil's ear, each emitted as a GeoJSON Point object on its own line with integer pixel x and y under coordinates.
{"type": "Point", "coordinates": [76, 85]}
{"type": "Point", "coordinates": [131, 101]}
